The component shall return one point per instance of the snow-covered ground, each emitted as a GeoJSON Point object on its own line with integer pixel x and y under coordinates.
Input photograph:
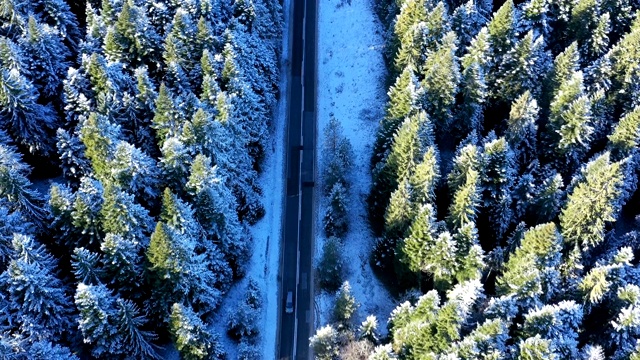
{"type": "Point", "coordinates": [265, 257]}
{"type": "Point", "coordinates": [351, 88]}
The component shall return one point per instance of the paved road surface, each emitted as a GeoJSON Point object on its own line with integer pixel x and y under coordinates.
{"type": "Point", "coordinates": [295, 329]}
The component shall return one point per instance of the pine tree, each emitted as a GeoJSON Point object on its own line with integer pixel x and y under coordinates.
{"type": "Point", "coordinates": [30, 122]}
{"type": "Point", "coordinates": [467, 158]}
{"type": "Point", "coordinates": [87, 266]}
{"type": "Point", "coordinates": [558, 323]}
{"type": "Point", "coordinates": [165, 120]}
{"type": "Point", "coordinates": [536, 16]}
{"type": "Point", "coordinates": [425, 178]}
{"type": "Point", "coordinates": [536, 348]}
{"type": "Point", "coordinates": [35, 297]}
{"type": "Point", "coordinates": [411, 13]}
{"type": "Point", "coordinates": [522, 69]}
{"type": "Point", "coordinates": [400, 212]}
{"type": "Point", "coordinates": [335, 220]}
{"type": "Point", "coordinates": [339, 156]}
{"type": "Point", "coordinates": [467, 21]}
{"type": "Point", "coordinates": [71, 153]}
{"type": "Point", "coordinates": [16, 187]}
{"type": "Point", "coordinates": [465, 202]}
{"type": "Point", "coordinates": [215, 210]}
{"type": "Point", "coordinates": [121, 215]}
{"type": "Point", "coordinates": [497, 183]}
{"type": "Point", "coordinates": [531, 273]}
{"type": "Point", "coordinates": [469, 255]}
{"type": "Point", "coordinates": [191, 337]}
{"type": "Point", "coordinates": [402, 97]}
{"type": "Point", "coordinates": [99, 136]}
{"type": "Point", "coordinates": [473, 80]}
{"type": "Point", "coordinates": [45, 56]}
{"type": "Point", "coordinates": [593, 203]}
{"type": "Point", "coordinates": [345, 306]}
{"type": "Point", "coordinates": [167, 256]}
{"type": "Point", "coordinates": [440, 83]}
{"type": "Point", "coordinates": [174, 163]}
{"type": "Point", "coordinates": [503, 29]}
{"type": "Point", "coordinates": [415, 248]}
{"type": "Point", "coordinates": [112, 325]}
{"type": "Point", "coordinates": [11, 222]}
{"type": "Point", "coordinates": [565, 65]}
{"type": "Point", "coordinates": [487, 341]}
{"type": "Point", "coordinates": [325, 343]}
{"type": "Point", "coordinates": [85, 214]}
{"type": "Point", "coordinates": [522, 128]}
{"type": "Point", "coordinates": [548, 198]}
{"type": "Point", "coordinates": [369, 329]}
{"type": "Point", "coordinates": [569, 128]}
{"type": "Point", "coordinates": [625, 137]}
{"type": "Point", "coordinates": [331, 265]}
{"type": "Point", "coordinates": [134, 170]}
{"type": "Point", "coordinates": [180, 217]}
{"type": "Point", "coordinates": [123, 263]}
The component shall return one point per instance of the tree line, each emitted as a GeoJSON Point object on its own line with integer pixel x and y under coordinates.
{"type": "Point", "coordinates": [155, 116]}
{"type": "Point", "coordinates": [506, 155]}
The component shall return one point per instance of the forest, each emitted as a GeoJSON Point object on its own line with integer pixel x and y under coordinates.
{"type": "Point", "coordinates": [132, 133]}
{"type": "Point", "coordinates": [504, 197]}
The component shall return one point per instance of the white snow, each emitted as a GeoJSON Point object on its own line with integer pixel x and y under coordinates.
{"type": "Point", "coordinates": [351, 75]}
{"type": "Point", "coordinates": [265, 254]}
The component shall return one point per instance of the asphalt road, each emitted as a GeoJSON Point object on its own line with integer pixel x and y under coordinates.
{"type": "Point", "coordinates": [296, 328]}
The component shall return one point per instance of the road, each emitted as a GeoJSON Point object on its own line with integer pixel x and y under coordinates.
{"type": "Point", "coordinates": [295, 329]}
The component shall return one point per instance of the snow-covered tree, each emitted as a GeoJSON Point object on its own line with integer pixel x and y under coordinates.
{"type": "Point", "coordinates": [325, 343]}
{"type": "Point", "coordinates": [35, 298]}
{"type": "Point", "coordinates": [593, 203]}
{"type": "Point", "coordinates": [440, 83]}
{"type": "Point", "coordinates": [191, 336]}
{"type": "Point", "coordinates": [531, 273]}
{"type": "Point", "coordinates": [345, 306]}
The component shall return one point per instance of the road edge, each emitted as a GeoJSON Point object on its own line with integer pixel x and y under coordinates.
{"type": "Point", "coordinates": [285, 83]}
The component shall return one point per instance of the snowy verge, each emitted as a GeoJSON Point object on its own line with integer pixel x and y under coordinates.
{"type": "Point", "coordinates": [351, 76]}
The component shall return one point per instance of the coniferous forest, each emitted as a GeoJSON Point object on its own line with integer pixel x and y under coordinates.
{"type": "Point", "coordinates": [504, 195]}
{"type": "Point", "coordinates": [151, 118]}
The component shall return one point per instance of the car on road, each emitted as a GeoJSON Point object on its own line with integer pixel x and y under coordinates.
{"type": "Point", "coordinates": [289, 304]}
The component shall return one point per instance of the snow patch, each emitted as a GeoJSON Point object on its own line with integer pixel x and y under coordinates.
{"type": "Point", "coordinates": [351, 75]}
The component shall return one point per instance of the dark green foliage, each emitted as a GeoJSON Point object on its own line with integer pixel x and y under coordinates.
{"type": "Point", "coordinates": [331, 266]}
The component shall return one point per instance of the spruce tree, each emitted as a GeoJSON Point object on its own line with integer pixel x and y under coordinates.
{"type": "Point", "coordinates": [522, 69]}
{"type": "Point", "coordinates": [421, 239]}
{"type": "Point", "coordinates": [522, 127]}
{"type": "Point", "coordinates": [440, 83]}
{"type": "Point", "coordinates": [466, 200]}
{"type": "Point", "coordinates": [345, 306]}
{"type": "Point", "coordinates": [190, 335]}
{"type": "Point", "coordinates": [497, 183]}
{"type": "Point", "coordinates": [473, 82]}
{"type": "Point", "coordinates": [30, 122]}
{"type": "Point", "coordinates": [569, 128]}
{"type": "Point", "coordinates": [45, 56]}
{"type": "Point", "coordinates": [402, 97]}
{"type": "Point", "coordinates": [625, 137]}
{"type": "Point", "coordinates": [593, 203]}
{"type": "Point", "coordinates": [503, 29]}
{"type": "Point", "coordinates": [558, 323]}
{"type": "Point", "coordinates": [215, 211]}
{"type": "Point", "coordinates": [36, 298]}
{"type": "Point", "coordinates": [531, 273]}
